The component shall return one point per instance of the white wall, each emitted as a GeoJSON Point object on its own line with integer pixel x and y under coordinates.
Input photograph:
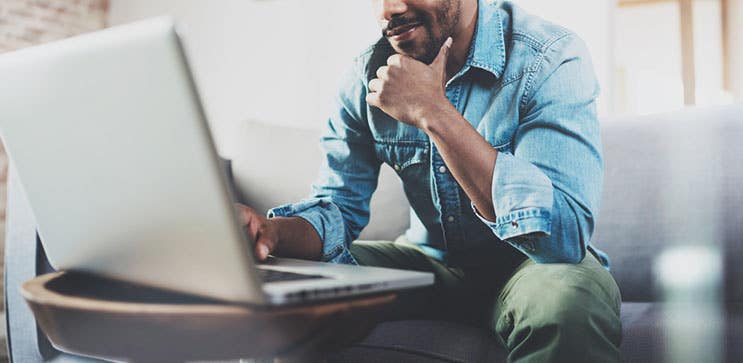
{"type": "Point", "coordinates": [593, 21]}
{"type": "Point", "coordinates": [275, 61]}
{"type": "Point", "coordinates": [708, 55]}
{"type": "Point", "coordinates": [735, 48]}
{"type": "Point", "coordinates": [649, 58]}
{"type": "Point", "coordinates": [279, 61]}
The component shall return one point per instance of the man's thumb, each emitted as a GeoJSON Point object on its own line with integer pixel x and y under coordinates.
{"type": "Point", "coordinates": [441, 58]}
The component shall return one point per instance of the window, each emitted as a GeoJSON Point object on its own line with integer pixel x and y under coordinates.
{"type": "Point", "coordinates": [668, 53]}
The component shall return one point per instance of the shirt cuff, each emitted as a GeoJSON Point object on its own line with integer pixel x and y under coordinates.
{"type": "Point", "coordinates": [327, 220]}
{"type": "Point", "coordinates": [532, 222]}
{"type": "Point", "coordinates": [523, 198]}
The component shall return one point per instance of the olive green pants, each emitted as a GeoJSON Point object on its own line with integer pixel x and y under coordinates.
{"type": "Point", "coordinates": [538, 312]}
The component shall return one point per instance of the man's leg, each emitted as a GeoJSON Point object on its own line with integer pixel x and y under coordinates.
{"type": "Point", "coordinates": [559, 313]}
{"type": "Point", "coordinates": [435, 301]}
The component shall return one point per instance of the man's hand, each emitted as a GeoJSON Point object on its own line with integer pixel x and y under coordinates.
{"type": "Point", "coordinates": [260, 229]}
{"type": "Point", "coordinates": [409, 90]}
{"type": "Point", "coordinates": [415, 93]}
{"type": "Point", "coordinates": [287, 237]}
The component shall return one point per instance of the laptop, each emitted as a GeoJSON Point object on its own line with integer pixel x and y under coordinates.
{"type": "Point", "coordinates": [111, 145]}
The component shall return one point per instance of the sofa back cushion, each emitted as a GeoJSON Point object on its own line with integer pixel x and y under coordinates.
{"type": "Point", "coordinates": [672, 179]}
{"type": "Point", "coordinates": [274, 165]}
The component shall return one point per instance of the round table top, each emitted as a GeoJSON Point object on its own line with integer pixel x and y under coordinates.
{"type": "Point", "coordinates": [92, 316]}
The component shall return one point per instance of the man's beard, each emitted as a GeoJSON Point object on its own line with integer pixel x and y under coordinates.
{"type": "Point", "coordinates": [447, 20]}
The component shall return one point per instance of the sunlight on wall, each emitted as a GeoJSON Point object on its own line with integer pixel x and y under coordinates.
{"type": "Point", "coordinates": [648, 58]}
{"type": "Point", "coordinates": [592, 20]}
{"type": "Point", "coordinates": [274, 61]}
{"type": "Point", "coordinates": [735, 49]}
{"type": "Point", "coordinates": [648, 53]}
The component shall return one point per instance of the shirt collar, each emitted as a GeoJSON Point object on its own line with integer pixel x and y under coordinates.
{"type": "Point", "coordinates": [488, 49]}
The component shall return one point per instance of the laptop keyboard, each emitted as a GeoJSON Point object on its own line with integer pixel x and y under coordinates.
{"type": "Point", "coordinates": [267, 275]}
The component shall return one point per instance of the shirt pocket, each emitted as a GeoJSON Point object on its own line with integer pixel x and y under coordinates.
{"type": "Point", "coordinates": [410, 159]}
{"type": "Point", "coordinates": [402, 155]}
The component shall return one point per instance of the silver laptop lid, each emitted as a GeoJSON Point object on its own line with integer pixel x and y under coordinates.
{"type": "Point", "coordinates": [112, 148]}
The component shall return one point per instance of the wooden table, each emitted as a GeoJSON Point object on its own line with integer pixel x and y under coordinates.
{"type": "Point", "coordinates": [86, 315]}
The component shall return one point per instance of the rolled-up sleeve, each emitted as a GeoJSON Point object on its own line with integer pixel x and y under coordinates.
{"type": "Point", "coordinates": [522, 199]}
{"type": "Point", "coordinates": [327, 219]}
{"type": "Point", "coordinates": [546, 192]}
{"type": "Point", "coordinates": [338, 206]}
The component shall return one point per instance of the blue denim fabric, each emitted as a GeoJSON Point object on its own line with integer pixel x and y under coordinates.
{"type": "Point", "coordinates": [529, 89]}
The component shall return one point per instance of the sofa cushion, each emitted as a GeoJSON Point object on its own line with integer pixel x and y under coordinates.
{"type": "Point", "coordinates": [641, 332]}
{"type": "Point", "coordinates": [671, 179]}
{"type": "Point", "coordinates": [644, 341]}
{"type": "Point", "coordinates": [274, 165]}
{"type": "Point", "coordinates": [424, 341]}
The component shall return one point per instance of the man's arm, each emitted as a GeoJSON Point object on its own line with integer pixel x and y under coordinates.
{"type": "Point", "coordinates": [413, 92]}
{"type": "Point", "coordinates": [468, 155]}
{"type": "Point", "coordinates": [543, 198]}
{"type": "Point", "coordinates": [323, 225]}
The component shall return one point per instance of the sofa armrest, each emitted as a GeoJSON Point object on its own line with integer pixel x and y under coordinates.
{"type": "Point", "coordinates": [25, 259]}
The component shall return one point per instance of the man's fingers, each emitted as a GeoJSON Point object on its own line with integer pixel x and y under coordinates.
{"type": "Point", "coordinates": [259, 231]}
{"type": "Point", "coordinates": [265, 241]}
{"type": "Point", "coordinates": [372, 99]}
{"type": "Point", "coordinates": [250, 221]}
{"type": "Point", "coordinates": [245, 213]}
{"type": "Point", "coordinates": [441, 59]}
{"type": "Point", "coordinates": [262, 249]}
{"type": "Point", "coordinates": [251, 228]}
{"type": "Point", "coordinates": [375, 85]}
{"type": "Point", "coordinates": [383, 73]}
{"type": "Point", "coordinates": [395, 60]}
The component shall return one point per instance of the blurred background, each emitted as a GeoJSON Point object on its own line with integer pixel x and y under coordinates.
{"type": "Point", "coordinates": [278, 61]}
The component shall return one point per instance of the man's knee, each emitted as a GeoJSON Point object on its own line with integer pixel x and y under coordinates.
{"type": "Point", "coordinates": [556, 311]}
{"type": "Point", "coordinates": [551, 287]}
{"type": "Point", "coordinates": [570, 309]}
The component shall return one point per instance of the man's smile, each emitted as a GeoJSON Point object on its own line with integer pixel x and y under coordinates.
{"type": "Point", "coordinates": [403, 33]}
{"type": "Point", "coordinates": [401, 29]}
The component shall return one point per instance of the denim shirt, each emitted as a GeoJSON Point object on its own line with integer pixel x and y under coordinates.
{"type": "Point", "coordinates": [529, 88]}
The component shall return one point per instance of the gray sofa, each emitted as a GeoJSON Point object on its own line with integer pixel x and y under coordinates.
{"type": "Point", "coordinates": [670, 179]}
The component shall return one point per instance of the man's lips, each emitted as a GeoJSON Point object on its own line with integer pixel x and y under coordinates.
{"type": "Point", "coordinates": [402, 29]}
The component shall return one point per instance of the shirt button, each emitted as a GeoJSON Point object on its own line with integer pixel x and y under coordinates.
{"type": "Point", "coordinates": [442, 169]}
{"type": "Point", "coordinates": [514, 225]}
{"type": "Point", "coordinates": [450, 219]}
{"type": "Point", "coordinates": [397, 167]}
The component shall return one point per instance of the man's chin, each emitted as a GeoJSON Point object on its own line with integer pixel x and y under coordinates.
{"type": "Point", "coordinates": [408, 51]}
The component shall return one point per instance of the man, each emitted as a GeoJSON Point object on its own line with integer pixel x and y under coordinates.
{"type": "Point", "coordinates": [488, 116]}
